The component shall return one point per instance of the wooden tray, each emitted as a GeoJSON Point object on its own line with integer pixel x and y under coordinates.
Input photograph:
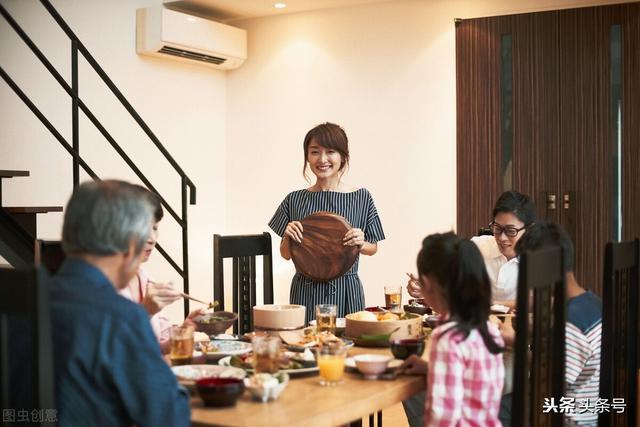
{"type": "Point", "coordinates": [321, 256]}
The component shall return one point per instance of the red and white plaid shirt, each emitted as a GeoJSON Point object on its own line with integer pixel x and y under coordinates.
{"type": "Point", "coordinates": [464, 384]}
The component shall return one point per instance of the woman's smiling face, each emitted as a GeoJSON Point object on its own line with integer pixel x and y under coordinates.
{"type": "Point", "coordinates": [324, 162]}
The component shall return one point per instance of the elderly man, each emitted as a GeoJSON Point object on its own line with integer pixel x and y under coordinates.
{"type": "Point", "coordinates": [109, 369]}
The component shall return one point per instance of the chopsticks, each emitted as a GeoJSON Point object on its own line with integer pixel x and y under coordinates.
{"type": "Point", "coordinates": [193, 299]}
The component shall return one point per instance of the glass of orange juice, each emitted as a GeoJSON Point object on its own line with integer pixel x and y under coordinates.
{"type": "Point", "coordinates": [331, 364]}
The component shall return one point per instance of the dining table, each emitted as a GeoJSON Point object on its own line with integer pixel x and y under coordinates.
{"type": "Point", "coordinates": [305, 402]}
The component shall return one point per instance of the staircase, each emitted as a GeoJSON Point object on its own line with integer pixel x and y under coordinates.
{"type": "Point", "coordinates": [18, 230]}
{"type": "Point", "coordinates": [18, 227]}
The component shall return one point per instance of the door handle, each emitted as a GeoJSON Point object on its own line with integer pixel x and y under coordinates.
{"type": "Point", "coordinates": [566, 201]}
{"type": "Point", "coordinates": [551, 202]}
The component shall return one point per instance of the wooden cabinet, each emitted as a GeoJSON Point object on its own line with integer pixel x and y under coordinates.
{"type": "Point", "coordinates": [549, 104]}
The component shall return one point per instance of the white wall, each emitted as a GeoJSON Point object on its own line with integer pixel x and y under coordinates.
{"type": "Point", "coordinates": [386, 73]}
{"type": "Point", "coordinates": [183, 104]}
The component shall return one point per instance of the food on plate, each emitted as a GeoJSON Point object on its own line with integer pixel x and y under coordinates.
{"type": "Point", "coordinates": [200, 337]}
{"type": "Point", "coordinates": [288, 360]}
{"type": "Point", "coordinates": [378, 316]}
{"type": "Point", "coordinates": [307, 338]}
{"type": "Point", "coordinates": [208, 347]}
{"type": "Point", "coordinates": [499, 308]}
{"type": "Point", "coordinates": [266, 386]}
{"type": "Point", "coordinates": [364, 315]}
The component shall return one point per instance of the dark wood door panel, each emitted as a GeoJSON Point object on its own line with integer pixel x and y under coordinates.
{"type": "Point", "coordinates": [478, 122]}
{"type": "Point", "coordinates": [630, 19]}
{"type": "Point", "coordinates": [536, 114]}
{"type": "Point", "coordinates": [586, 136]}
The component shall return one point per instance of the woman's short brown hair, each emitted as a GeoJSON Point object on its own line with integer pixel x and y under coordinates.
{"type": "Point", "coordinates": [327, 135]}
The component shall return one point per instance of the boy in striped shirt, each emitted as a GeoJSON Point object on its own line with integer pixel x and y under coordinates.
{"type": "Point", "coordinates": [583, 330]}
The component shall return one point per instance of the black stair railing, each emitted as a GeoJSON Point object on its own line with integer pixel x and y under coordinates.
{"type": "Point", "coordinates": [74, 148]}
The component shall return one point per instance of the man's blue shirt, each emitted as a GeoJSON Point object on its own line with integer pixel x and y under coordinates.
{"type": "Point", "coordinates": [108, 364]}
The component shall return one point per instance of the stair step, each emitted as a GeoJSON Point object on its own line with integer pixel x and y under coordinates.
{"type": "Point", "coordinates": [11, 174]}
{"type": "Point", "coordinates": [31, 209]}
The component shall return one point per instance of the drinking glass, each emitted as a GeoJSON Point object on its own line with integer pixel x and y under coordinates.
{"type": "Point", "coordinates": [326, 318]}
{"type": "Point", "coordinates": [393, 297]}
{"type": "Point", "coordinates": [266, 354]}
{"type": "Point", "coordinates": [181, 344]}
{"type": "Point", "coordinates": [330, 360]}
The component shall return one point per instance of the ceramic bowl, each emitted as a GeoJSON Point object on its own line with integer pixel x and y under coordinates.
{"type": "Point", "coordinates": [219, 392]}
{"type": "Point", "coordinates": [266, 387]}
{"type": "Point", "coordinates": [214, 323]}
{"type": "Point", "coordinates": [404, 348]}
{"type": "Point", "coordinates": [279, 317]}
{"type": "Point", "coordinates": [371, 365]}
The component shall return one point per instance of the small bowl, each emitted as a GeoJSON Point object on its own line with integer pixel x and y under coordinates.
{"type": "Point", "coordinates": [371, 365]}
{"type": "Point", "coordinates": [206, 323]}
{"type": "Point", "coordinates": [266, 387]}
{"type": "Point", "coordinates": [431, 320]}
{"type": "Point", "coordinates": [404, 348]}
{"type": "Point", "coordinates": [219, 392]}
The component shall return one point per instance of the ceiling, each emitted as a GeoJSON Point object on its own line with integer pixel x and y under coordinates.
{"type": "Point", "coordinates": [233, 10]}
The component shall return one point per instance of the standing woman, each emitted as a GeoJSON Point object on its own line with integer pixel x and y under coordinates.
{"type": "Point", "coordinates": [326, 154]}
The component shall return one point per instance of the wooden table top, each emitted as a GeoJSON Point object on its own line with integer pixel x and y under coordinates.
{"type": "Point", "coordinates": [306, 403]}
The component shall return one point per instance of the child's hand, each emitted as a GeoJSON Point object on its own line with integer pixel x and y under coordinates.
{"type": "Point", "coordinates": [413, 366]}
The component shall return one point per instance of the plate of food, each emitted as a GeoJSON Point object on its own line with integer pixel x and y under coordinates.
{"type": "Point", "coordinates": [220, 348]}
{"type": "Point", "coordinates": [187, 375]}
{"type": "Point", "coordinates": [291, 363]}
{"type": "Point", "coordinates": [309, 338]}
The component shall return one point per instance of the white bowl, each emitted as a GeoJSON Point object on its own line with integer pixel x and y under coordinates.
{"type": "Point", "coordinates": [267, 387]}
{"type": "Point", "coordinates": [279, 317]}
{"type": "Point", "coordinates": [372, 365]}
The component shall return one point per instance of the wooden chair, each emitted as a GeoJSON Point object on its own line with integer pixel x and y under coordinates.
{"type": "Point", "coordinates": [26, 352]}
{"type": "Point", "coordinates": [540, 338]}
{"type": "Point", "coordinates": [620, 353]}
{"type": "Point", "coordinates": [50, 255]}
{"type": "Point", "coordinates": [243, 250]}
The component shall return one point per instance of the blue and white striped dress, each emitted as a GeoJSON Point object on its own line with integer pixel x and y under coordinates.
{"type": "Point", "coordinates": [358, 208]}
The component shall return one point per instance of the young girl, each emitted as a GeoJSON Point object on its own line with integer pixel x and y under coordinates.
{"type": "Point", "coordinates": [326, 153]}
{"type": "Point", "coordinates": [465, 370]}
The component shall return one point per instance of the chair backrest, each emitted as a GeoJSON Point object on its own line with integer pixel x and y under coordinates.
{"type": "Point", "coordinates": [243, 250]}
{"type": "Point", "coordinates": [540, 338]}
{"type": "Point", "coordinates": [619, 362]}
{"type": "Point", "coordinates": [26, 352]}
{"type": "Point", "coordinates": [50, 255]}
{"type": "Point", "coordinates": [483, 231]}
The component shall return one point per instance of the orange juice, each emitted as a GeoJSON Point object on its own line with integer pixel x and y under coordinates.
{"type": "Point", "coordinates": [331, 367]}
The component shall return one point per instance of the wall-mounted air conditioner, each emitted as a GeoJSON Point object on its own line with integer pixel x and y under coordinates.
{"type": "Point", "coordinates": [170, 34]}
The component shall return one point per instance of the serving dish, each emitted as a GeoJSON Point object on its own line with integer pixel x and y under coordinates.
{"type": "Point", "coordinates": [247, 365]}
{"type": "Point", "coordinates": [187, 375]}
{"type": "Point", "coordinates": [321, 255]}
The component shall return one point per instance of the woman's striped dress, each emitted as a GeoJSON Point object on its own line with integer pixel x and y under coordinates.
{"type": "Point", "coordinates": [358, 208]}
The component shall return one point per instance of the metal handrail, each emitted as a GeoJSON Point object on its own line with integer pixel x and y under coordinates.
{"type": "Point", "coordinates": [78, 104]}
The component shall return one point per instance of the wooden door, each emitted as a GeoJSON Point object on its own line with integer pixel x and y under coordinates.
{"type": "Point", "coordinates": [553, 114]}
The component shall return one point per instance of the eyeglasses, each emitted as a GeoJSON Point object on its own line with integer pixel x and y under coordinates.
{"type": "Point", "coordinates": [497, 229]}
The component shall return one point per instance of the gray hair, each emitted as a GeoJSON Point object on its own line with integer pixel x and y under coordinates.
{"type": "Point", "coordinates": [102, 217]}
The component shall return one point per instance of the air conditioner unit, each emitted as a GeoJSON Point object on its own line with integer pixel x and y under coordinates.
{"type": "Point", "coordinates": [170, 34]}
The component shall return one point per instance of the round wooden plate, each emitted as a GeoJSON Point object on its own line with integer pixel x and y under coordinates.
{"type": "Point", "coordinates": [322, 256]}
